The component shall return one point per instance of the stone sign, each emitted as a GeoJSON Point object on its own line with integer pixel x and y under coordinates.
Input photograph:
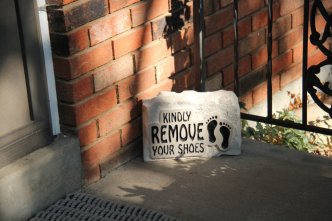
{"type": "Point", "coordinates": [191, 124]}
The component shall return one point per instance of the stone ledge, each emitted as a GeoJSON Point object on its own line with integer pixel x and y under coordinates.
{"type": "Point", "coordinates": [39, 179]}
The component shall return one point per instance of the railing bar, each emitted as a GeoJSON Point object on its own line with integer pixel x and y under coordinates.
{"type": "Point", "coordinates": [287, 124]}
{"type": "Point", "coordinates": [269, 62]}
{"type": "Point", "coordinates": [201, 46]}
{"type": "Point", "coordinates": [305, 62]}
{"type": "Point", "coordinates": [197, 57]}
{"type": "Point", "coordinates": [236, 53]}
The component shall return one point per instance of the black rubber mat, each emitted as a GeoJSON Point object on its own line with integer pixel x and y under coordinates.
{"type": "Point", "coordinates": [84, 207]}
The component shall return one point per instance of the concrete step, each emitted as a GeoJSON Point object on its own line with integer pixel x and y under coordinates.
{"type": "Point", "coordinates": [39, 179]}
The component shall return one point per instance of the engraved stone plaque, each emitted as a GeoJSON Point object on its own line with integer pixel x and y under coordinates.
{"type": "Point", "coordinates": [191, 124]}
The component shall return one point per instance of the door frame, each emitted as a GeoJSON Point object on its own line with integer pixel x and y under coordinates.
{"type": "Point", "coordinates": [38, 67]}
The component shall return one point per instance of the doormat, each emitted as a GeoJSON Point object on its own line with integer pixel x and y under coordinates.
{"type": "Point", "coordinates": [85, 207]}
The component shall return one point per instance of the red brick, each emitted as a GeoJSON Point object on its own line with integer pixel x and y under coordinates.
{"type": "Point", "coordinates": [228, 75]}
{"type": "Point", "coordinates": [327, 4]}
{"type": "Point", "coordinates": [297, 17]}
{"type": "Point", "coordinates": [87, 133]}
{"type": "Point", "coordinates": [229, 87]}
{"type": "Point", "coordinates": [59, 2]}
{"type": "Point", "coordinates": [101, 150]}
{"type": "Point", "coordinates": [219, 20]}
{"type": "Point", "coordinates": [252, 42]}
{"type": "Point", "coordinates": [219, 60]}
{"type": "Point", "coordinates": [290, 75]}
{"type": "Point", "coordinates": [184, 80]}
{"type": "Point", "coordinates": [76, 15]}
{"type": "Point", "coordinates": [247, 7]}
{"type": "Point", "coordinates": [120, 115]}
{"type": "Point", "coordinates": [275, 83]}
{"type": "Point", "coordinates": [92, 174]}
{"type": "Point", "coordinates": [56, 19]}
{"type": "Point", "coordinates": [244, 65]}
{"type": "Point", "coordinates": [115, 71]}
{"type": "Point", "coordinates": [171, 65]}
{"type": "Point", "coordinates": [210, 6]}
{"type": "Point", "coordinates": [78, 40]}
{"type": "Point", "coordinates": [287, 6]}
{"type": "Point", "coordinates": [243, 68]}
{"type": "Point", "coordinates": [131, 40]}
{"type": "Point", "coordinates": [151, 54]}
{"type": "Point", "coordinates": [259, 57]}
{"type": "Point", "coordinates": [75, 90]}
{"type": "Point", "coordinates": [135, 84]}
{"type": "Point", "coordinates": [182, 39]}
{"type": "Point", "coordinates": [158, 28]}
{"type": "Point", "coordinates": [259, 20]}
{"type": "Point", "coordinates": [282, 62]}
{"type": "Point", "coordinates": [62, 68]}
{"type": "Point", "coordinates": [290, 40]}
{"type": "Point", "coordinates": [320, 23]}
{"type": "Point", "coordinates": [131, 131]}
{"type": "Point", "coordinates": [297, 53]}
{"type": "Point", "coordinates": [212, 44]}
{"type": "Point", "coordinates": [147, 11]}
{"type": "Point", "coordinates": [244, 29]}
{"type": "Point", "coordinates": [247, 99]}
{"type": "Point", "coordinates": [110, 26]}
{"type": "Point", "coordinates": [166, 85]}
{"type": "Point", "coordinates": [260, 92]}
{"type": "Point", "coordinates": [224, 3]}
{"type": "Point", "coordinates": [74, 115]}
{"type": "Point", "coordinates": [81, 63]}
{"type": "Point", "coordinates": [281, 26]}
{"type": "Point", "coordinates": [70, 43]}
{"type": "Point", "coordinates": [118, 4]}
{"type": "Point", "coordinates": [316, 58]}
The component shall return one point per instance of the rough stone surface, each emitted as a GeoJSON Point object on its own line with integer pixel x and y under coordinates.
{"type": "Point", "coordinates": [191, 124]}
{"type": "Point", "coordinates": [39, 179]}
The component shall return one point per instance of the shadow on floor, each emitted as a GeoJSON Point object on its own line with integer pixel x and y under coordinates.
{"type": "Point", "coordinates": [266, 182]}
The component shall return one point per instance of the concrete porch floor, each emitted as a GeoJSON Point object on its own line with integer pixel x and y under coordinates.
{"type": "Point", "coordinates": [265, 182]}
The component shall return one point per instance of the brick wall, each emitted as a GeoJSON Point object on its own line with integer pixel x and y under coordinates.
{"type": "Point", "coordinates": [252, 26]}
{"type": "Point", "coordinates": [110, 54]}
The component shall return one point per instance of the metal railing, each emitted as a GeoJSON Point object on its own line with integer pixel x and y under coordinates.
{"type": "Point", "coordinates": [309, 79]}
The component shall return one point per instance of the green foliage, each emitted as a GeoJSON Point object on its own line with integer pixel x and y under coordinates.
{"type": "Point", "coordinates": [305, 141]}
{"type": "Point", "coordinates": [322, 142]}
{"type": "Point", "coordinates": [292, 138]}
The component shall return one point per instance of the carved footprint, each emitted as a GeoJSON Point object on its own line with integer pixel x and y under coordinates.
{"type": "Point", "coordinates": [211, 126]}
{"type": "Point", "coordinates": [225, 130]}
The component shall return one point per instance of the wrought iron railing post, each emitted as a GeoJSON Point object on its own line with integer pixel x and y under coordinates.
{"type": "Point", "coordinates": [236, 52]}
{"type": "Point", "coordinates": [269, 61]}
{"type": "Point", "coordinates": [313, 82]}
{"type": "Point", "coordinates": [310, 80]}
{"type": "Point", "coordinates": [201, 46]}
{"type": "Point", "coordinates": [305, 62]}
